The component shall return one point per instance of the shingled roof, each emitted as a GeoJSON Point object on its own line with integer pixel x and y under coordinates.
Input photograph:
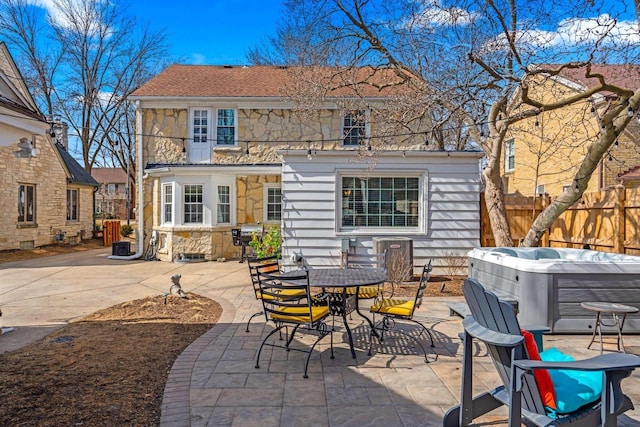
{"type": "Point", "coordinates": [77, 174]}
{"type": "Point", "coordinates": [179, 80]}
{"type": "Point", "coordinates": [623, 75]}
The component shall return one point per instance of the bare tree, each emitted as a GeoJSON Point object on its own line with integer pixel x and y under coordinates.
{"type": "Point", "coordinates": [84, 58]}
{"type": "Point", "coordinates": [467, 63]}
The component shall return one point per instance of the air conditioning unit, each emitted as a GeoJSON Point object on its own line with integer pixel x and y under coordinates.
{"type": "Point", "coordinates": [399, 256]}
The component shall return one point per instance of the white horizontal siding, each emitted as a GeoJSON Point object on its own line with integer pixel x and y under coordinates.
{"type": "Point", "coordinates": [309, 205]}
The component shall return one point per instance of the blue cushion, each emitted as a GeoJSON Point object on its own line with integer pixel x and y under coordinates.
{"type": "Point", "coordinates": [574, 389]}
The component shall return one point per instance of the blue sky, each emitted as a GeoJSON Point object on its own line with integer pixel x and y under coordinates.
{"type": "Point", "coordinates": [210, 31]}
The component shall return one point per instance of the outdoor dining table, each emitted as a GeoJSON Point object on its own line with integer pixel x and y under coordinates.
{"type": "Point", "coordinates": [341, 303]}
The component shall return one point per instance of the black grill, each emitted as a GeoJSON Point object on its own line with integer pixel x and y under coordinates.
{"type": "Point", "coordinates": [243, 235]}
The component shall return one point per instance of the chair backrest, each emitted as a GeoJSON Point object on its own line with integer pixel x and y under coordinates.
{"type": "Point", "coordinates": [286, 306]}
{"type": "Point", "coordinates": [257, 265]}
{"type": "Point", "coordinates": [497, 315]}
{"type": "Point", "coordinates": [375, 260]}
{"type": "Point", "coordinates": [422, 285]}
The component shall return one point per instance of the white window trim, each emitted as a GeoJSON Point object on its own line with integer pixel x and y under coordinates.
{"type": "Point", "coordinates": [235, 127]}
{"type": "Point", "coordinates": [231, 202]}
{"type": "Point", "coordinates": [209, 200]}
{"type": "Point", "coordinates": [367, 127]}
{"type": "Point", "coordinates": [423, 180]}
{"type": "Point", "coordinates": [265, 199]}
{"type": "Point", "coordinates": [506, 155]}
{"type": "Point", "coordinates": [212, 124]}
{"type": "Point", "coordinates": [163, 203]}
{"type": "Point", "coordinates": [204, 205]}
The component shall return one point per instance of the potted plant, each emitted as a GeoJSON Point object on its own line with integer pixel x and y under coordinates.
{"type": "Point", "coordinates": [269, 244]}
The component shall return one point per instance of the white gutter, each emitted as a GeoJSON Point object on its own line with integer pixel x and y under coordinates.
{"type": "Point", "coordinates": [140, 205]}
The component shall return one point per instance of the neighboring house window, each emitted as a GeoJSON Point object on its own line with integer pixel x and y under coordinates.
{"type": "Point", "coordinates": [354, 127]}
{"type": "Point", "coordinates": [193, 203]}
{"type": "Point", "coordinates": [272, 203]}
{"type": "Point", "coordinates": [389, 202]}
{"type": "Point", "coordinates": [509, 155]}
{"type": "Point", "coordinates": [224, 204]}
{"type": "Point", "coordinates": [167, 203]}
{"type": "Point", "coordinates": [72, 204]}
{"type": "Point", "coordinates": [200, 125]}
{"type": "Point", "coordinates": [26, 203]}
{"type": "Point", "coordinates": [226, 127]}
{"type": "Point", "coordinates": [111, 188]}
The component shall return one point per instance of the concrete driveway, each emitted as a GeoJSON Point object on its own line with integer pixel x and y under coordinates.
{"type": "Point", "coordinates": [40, 295]}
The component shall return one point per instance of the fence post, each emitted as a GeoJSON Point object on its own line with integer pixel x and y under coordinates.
{"type": "Point", "coordinates": [619, 221]}
{"type": "Point", "coordinates": [544, 240]}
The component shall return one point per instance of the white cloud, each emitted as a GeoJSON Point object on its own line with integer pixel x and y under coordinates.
{"type": "Point", "coordinates": [574, 32]}
{"type": "Point", "coordinates": [59, 19]}
{"type": "Point", "coordinates": [433, 14]}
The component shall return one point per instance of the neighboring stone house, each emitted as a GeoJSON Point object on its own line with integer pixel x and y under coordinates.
{"type": "Point", "coordinates": [541, 154]}
{"type": "Point", "coordinates": [113, 194]}
{"type": "Point", "coordinates": [223, 146]}
{"type": "Point", "coordinates": [47, 197]}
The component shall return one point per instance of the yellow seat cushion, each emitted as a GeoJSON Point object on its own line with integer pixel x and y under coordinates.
{"type": "Point", "coordinates": [365, 292]}
{"type": "Point", "coordinates": [300, 314]}
{"type": "Point", "coordinates": [396, 307]}
{"type": "Point", "coordinates": [286, 292]}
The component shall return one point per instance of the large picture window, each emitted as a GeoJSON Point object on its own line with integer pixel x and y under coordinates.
{"type": "Point", "coordinates": [26, 203]}
{"type": "Point", "coordinates": [193, 204]}
{"type": "Point", "coordinates": [384, 202]}
{"type": "Point", "coordinates": [167, 203]}
{"type": "Point", "coordinates": [72, 204]}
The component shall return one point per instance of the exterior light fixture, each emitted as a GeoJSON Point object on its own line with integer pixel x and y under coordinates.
{"type": "Point", "coordinates": [246, 151]}
{"type": "Point", "coordinates": [184, 148]}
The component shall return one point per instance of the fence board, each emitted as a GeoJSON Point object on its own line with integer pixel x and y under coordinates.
{"type": "Point", "coordinates": [606, 220]}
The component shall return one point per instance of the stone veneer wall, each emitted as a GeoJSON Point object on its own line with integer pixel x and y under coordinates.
{"type": "Point", "coordinates": [263, 128]}
{"type": "Point", "coordinates": [46, 172]}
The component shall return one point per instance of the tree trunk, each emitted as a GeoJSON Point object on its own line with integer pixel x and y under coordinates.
{"type": "Point", "coordinates": [494, 195]}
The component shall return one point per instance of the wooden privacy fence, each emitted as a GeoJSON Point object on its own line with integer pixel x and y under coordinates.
{"type": "Point", "coordinates": [606, 220]}
{"type": "Point", "coordinates": [110, 232]}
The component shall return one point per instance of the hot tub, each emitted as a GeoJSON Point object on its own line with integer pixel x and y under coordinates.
{"type": "Point", "coordinates": [550, 283]}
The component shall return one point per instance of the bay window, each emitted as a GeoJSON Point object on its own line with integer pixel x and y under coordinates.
{"type": "Point", "coordinates": [193, 204]}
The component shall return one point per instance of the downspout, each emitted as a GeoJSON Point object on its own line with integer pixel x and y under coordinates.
{"type": "Point", "coordinates": [140, 205]}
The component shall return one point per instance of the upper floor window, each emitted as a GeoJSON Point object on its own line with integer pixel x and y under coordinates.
{"type": "Point", "coordinates": [200, 125]}
{"type": "Point", "coordinates": [509, 155]}
{"type": "Point", "coordinates": [224, 204]}
{"type": "Point", "coordinates": [226, 129]}
{"type": "Point", "coordinates": [193, 204]}
{"type": "Point", "coordinates": [354, 127]}
{"type": "Point", "coordinates": [384, 201]}
{"type": "Point", "coordinates": [272, 203]}
{"type": "Point", "coordinates": [218, 125]}
{"type": "Point", "coordinates": [72, 204]}
{"type": "Point", "coordinates": [167, 203]}
{"type": "Point", "coordinates": [26, 203]}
